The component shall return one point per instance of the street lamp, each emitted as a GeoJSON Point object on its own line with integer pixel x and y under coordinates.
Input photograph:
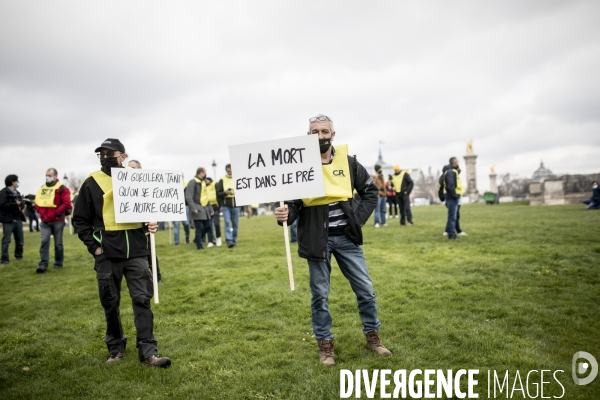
{"type": "Point", "coordinates": [214, 165]}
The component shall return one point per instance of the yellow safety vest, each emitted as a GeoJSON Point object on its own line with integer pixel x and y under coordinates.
{"type": "Point", "coordinates": [460, 189]}
{"type": "Point", "coordinates": [108, 208]}
{"type": "Point", "coordinates": [211, 191]}
{"type": "Point", "coordinates": [228, 184]}
{"type": "Point", "coordinates": [397, 180]}
{"type": "Point", "coordinates": [45, 195]}
{"type": "Point", "coordinates": [203, 194]}
{"type": "Point", "coordinates": [337, 180]}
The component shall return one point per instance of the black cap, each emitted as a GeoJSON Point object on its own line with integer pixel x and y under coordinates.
{"type": "Point", "coordinates": [111, 144]}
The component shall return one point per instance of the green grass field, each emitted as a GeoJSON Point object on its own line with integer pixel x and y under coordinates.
{"type": "Point", "coordinates": [521, 292]}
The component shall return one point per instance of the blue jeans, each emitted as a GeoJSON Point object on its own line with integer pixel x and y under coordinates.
{"type": "Point", "coordinates": [186, 228]}
{"type": "Point", "coordinates": [591, 205]}
{"type": "Point", "coordinates": [203, 227]}
{"type": "Point", "coordinates": [294, 231]}
{"type": "Point", "coordinates": [52, 229]}
{"type": "Point", "coordinates": [232, 219]}
{"type": "Point", "coordinates": [380, 210]}
{"type": "Point", "coordinates": [351, 261]}
{"type": "Point", "coordinates": [452, 205]}
{"type": "Point", "coordinates": [16, 229]}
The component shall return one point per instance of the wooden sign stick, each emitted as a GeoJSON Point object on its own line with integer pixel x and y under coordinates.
{"type": "Point", "coordinates": [154, 273]}
{"type": "Point", "coordinates": [287, 251]}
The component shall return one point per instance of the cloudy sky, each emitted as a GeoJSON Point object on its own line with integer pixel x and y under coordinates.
{"type": "Point", "coordinates": [179, 81]}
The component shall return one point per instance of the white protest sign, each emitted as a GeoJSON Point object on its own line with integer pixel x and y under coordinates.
{"type": "Point", "coordinates": [142, 195]}
{"type": "Point", "coordinates": [274, 170]}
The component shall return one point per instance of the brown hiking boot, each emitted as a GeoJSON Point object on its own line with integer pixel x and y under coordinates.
{"type": "Point", "coordinates": [375, 345]}
{"type": "Point", "coordinates": [115, 358]}
{"type": "Point", "coordinates": [326, 354]}
{"type": "Point", "coordinates": [157, 362]}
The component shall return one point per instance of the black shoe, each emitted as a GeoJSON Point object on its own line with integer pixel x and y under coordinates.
{"type": "Point", "coordinates": [58, 266]}
{"type": "Point", "coordinates": [19, 258]}
{"type": "Point", "coordinates": [41, 269]}
{"type": "Point", "coordinates": [4, 262]}
{"type": "Point", "coordinates": [157, 362]}
{"type": "Point", "coordinates": [230, 245]}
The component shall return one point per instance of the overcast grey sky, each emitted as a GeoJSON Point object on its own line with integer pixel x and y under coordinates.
{"type": "Point", "coordinates": [179, 81]}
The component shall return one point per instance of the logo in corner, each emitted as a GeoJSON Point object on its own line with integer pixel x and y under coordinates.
{"type": "Point", "coordinates": [582, 367]}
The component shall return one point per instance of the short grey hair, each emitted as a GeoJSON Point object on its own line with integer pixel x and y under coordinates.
{"type": "Point", "coordinates": [321, 115]}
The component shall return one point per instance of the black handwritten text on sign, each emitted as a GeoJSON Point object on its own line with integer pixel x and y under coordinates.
{"type": "Point", "coordinates": [148, 195]}
{"type": "Point", "coordinates": [275, 170]}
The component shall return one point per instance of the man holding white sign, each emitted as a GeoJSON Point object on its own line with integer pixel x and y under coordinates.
{"type": "Point", "coordinates": [331, 224]}
{"type": "Point", "coordinates": [119, 249]}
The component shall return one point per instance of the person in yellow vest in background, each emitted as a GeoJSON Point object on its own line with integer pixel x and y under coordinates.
{"type": "Point", "coordinates": [53, 203]}
{"type": "Point", "coordinates": [184, 222]}
{"type": "Point", "coordinates": [119, 249]}
{"type": "Point", "coordinates": [453, 190]}
{"type": "Point", "coordinates": [201, 210]}
{"type": "Point", "coordinates": [331, 225]}
{"type": "Point", "coordinates": [211, 189]}
{"type": "Point", "coordinates": [403, 184]}
{"type": "Point", "coordinates": [231, 213]}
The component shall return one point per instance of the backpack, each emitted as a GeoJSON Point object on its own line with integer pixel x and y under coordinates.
{"type": "Point", "coordinates": [441, 187]}
{"type": "Point", "coordinates": [69, 210]}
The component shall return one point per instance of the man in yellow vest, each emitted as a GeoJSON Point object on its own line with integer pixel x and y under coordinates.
{"type": "Point", "coordinates": [119, 249]}
{"type": "Point", "coordinates": [53, 203]}
{"type": "Point", "coordinates": [453, 190]}
{"type": "Point", "coordinates": [403, 184]}
{"type": "Point", "coordinates": [211, 189]}
{"type": "Point", "coordinates": [201, 210]}
{"type": "Point", "coordinates": [331, 225]}
{"type": "Point", "coordinates": [231, 213]}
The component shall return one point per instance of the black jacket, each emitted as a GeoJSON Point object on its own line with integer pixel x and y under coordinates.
{"type": "Point", "coordinates": [9, 209]}
{"type": "Point", "coordinates": [596, 195]}
{"type": "Point", "coordinates": [224, 201]}
{"type": "Point", "coordinates": [313, 222]}
{"type": "Point", "coordinates": [89, 223]}
{"type": "Point", "coordinates": [450, 180]}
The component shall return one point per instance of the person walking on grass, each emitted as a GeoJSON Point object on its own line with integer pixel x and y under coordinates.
{"type": "Point", "coordinates": [119, 250]}
{"type": "Point", "coordinates": [231, 213]}
{"type": "Point", "coordinates": [331, 225]}
{"type": "Point", "coordinates": [216, 218]}
{"type": "Point", "coordinates": [403, 184]}
{"type": "Point", "coordinates": [31, 214]}
{"type": "Point", "coordinates": [53, 203]}
{"type": "Point", "coordinates": [453, 190]}
{"type": "Point", "coordinates": [11, 215]}
{"type": "Point", "coordinates": [593, 203]}
{"type": "Point", "coordinates": [196, 196]}
{"type": "Point", "coordinates": [391, 198]}
{"type": "Point", "coordinates": [381, 197]}
{"type": "Point", "coordinates": [460, 191]}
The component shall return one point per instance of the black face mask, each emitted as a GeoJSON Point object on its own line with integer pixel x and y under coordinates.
{"type": "Point", "coordinates": [324, 145]}
{"type": "Point", "coordinates": [108, 163]}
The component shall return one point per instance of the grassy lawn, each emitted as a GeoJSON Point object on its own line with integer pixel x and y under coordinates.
{"type": "Point", "coordinates": [521, 292]}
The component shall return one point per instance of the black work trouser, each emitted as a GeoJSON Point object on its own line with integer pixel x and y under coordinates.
{"type": "Point", "coordinates": [139, 281]}
{"type": "Point", "coordinates": [404, 204]}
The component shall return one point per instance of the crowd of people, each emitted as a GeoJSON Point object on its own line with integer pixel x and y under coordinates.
{"type": "Point", "coordinates": [325, 226]}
